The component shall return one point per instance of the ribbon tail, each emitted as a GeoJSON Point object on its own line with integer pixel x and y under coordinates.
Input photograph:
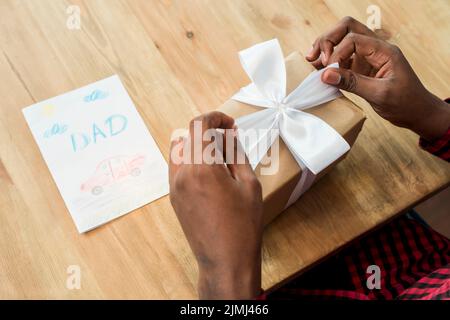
{"type": "Point", "coordinates": [306, 180]}
{"type": "Point", "coordinates": [312, 91]}
{"type": "Point", "coordinates": [312, 140]}
{"type": "Point", "coordinates": [313, 143]}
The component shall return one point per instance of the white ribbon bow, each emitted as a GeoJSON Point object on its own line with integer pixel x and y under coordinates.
{"type": "Point", "coordinates": [314, 144]}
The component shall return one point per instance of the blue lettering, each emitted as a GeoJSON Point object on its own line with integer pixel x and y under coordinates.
{"type": "Point", "coordinates": [117, 123]}
{"type": "Point", "coordinates": [74, 141]}
{"type": "Point", "coordinates": [96, 131]}
{"type": "Point", "coordinates": [114, 125]}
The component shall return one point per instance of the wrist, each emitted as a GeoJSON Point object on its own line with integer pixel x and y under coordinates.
{"type": "Point", "coordinates": [434, 121]}
{"type": "Point", "coordinates": [228, 282]}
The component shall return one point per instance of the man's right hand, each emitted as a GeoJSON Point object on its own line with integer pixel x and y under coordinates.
{"type": "Point", "coordinates": [379, 72]}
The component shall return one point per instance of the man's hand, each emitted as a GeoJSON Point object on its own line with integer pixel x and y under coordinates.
{"type": "Point", "coordinates": [378, 72]}
{"type": "Point", "coordinates": [220, 210]}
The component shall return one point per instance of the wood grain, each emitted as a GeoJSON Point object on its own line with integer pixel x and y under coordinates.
{"type": "Point", "coordinates": [177, 59]}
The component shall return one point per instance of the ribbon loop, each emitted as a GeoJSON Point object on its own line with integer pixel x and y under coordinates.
{"type": "Point", "coordinates": [266, 69]}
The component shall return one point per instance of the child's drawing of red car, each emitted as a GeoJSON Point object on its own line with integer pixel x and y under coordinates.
{"type": "Point", "coordinates": [111, 170]}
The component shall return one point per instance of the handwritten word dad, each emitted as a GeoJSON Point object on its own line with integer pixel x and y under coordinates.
{"type": "Point", "coordinates": [111, 127]}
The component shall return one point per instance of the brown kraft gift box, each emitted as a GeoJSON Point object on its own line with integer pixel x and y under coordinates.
{"type": "Point", "coordinates": [341, 114]}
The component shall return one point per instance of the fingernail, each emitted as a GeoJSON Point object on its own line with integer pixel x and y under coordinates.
{"type": "Point", "coordinates": [310, 52]}
{"type": "Point", "coordinates": [332, 77]}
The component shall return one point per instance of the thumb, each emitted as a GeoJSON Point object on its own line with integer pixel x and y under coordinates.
{"type": "Point", "coordinates": [363, 86]}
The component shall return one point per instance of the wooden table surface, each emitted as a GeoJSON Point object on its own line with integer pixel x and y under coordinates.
{"type": "Point", "coordinates": [177, 59]}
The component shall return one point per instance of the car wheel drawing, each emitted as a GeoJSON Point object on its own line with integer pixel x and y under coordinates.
{"type": "Point", "coordinates": [97, 190]}
{"type": "Point", "coordinates": [135, 172]}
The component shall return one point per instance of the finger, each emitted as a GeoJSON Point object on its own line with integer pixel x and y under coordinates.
{"type": "Point", "coordinates": [318, 63]}
{"type": "Point", "coordinates": [213, 120]}
{"type": "Point", "coordinates": [325, 43]}
{"type": "Point", "coordinates": [175, 157]}
{"type": "Point", "coordinates": [236, 159]}
{"type": "Point", "coordinates": [326, 48]}
{"type": "Point", "coordinates": [199, 128]}
{"type": "Point", "coordinates": [345, 26]}
{"type": "Point", "coordinates": [365, 87]}
{"type": "Point", "coordinates": [374, 51]}
{"type": "Point", "coordinates": [314, 52]}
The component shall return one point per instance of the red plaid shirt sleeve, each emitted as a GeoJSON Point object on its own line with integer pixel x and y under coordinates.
{"type": "Point", "coordinates": [435, 286]}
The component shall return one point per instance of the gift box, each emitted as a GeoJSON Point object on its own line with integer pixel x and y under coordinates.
{"type": "Point", "coordinates": [341, 114]}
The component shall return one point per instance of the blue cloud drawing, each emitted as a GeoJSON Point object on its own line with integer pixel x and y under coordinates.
{"type": "Point", "coordinates": [96, 95]}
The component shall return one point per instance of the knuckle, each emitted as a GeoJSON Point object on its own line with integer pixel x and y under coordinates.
{"type": "Point", "coordinates": [396, 51]}
{"type": "Point", "coordinates": [210, 119]}
{"type": "Point", "coordinates": [213, 115]}
{"type": "Point", "coordinates": [384, 94]}
{"type": "Point", "coordinates": [205, 175]}
{"type": "Point", "coordinates": [352, 36]}
{"type": "Point", "coordinates": [214, 119]}
{"type": "Point", "coordinates": [326, 44]}
{"type": "Point", "coordinates": [395, 48]}
{"type": "Point", "coordinates": [322, 41]}
{"type": "Point", "coordinates": [348, 20]}
{"type": "Point", "coordinates": [253, 183]}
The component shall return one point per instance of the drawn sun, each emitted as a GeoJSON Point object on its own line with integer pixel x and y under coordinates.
{"type": "Point", "coordinates": [48, 110]}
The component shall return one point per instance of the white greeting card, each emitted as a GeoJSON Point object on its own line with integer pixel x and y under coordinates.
{"type": "Point", "coordinates": [99, 152]}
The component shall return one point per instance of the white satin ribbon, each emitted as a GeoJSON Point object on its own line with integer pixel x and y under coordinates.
{"type": "Point", "coordinates": [313, 143]}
